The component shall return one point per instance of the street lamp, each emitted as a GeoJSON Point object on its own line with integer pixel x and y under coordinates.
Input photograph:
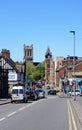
{"type": "Point", "coordinates": [25, 67]}
{"type": "Point", "coordinates": [73, 32]}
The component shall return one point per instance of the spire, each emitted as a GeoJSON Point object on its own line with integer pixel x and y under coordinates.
{"type": "Point", "coordinates": [48, 53]}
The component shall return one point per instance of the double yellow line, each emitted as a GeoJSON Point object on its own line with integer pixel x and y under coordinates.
{"type": "Point", "coordinates": [71, 118]}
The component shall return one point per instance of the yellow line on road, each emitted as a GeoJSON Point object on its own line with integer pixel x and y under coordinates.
{"type": "Point", "coordinates": [71, 117]}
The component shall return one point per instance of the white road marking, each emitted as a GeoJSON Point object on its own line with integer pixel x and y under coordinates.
{"type": "Point", "coordinates": [2, 118]}
{"type": "Point", "coordinates": [20, 109]}
{"type": "Point", "coordinates": [12, 113]}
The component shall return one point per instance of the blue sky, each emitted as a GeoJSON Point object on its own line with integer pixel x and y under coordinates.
{"type": "Point", "coordinates": [43, 23]}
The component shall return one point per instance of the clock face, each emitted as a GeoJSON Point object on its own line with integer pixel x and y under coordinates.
{"type": "Point", "coordinates": [48, 56]}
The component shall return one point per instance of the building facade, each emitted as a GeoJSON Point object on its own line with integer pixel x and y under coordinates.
{"type": "Point", "coordinates": [49, 67]}
{"type": "Point", "coordinates": [28, 53]}
{"type": "Point", "coordinates": [61, 68]}
{"type": "Point", "coordinates": [15, 71]}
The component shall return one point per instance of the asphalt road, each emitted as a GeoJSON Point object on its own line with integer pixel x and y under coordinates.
{"type": "Point", "coordinates": [52, 113]}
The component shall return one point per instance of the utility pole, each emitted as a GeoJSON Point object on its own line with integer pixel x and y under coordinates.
{"type": "Point", "coordinates": [25, 68]}
{"type": "Point", "coordinates": [73, 32]}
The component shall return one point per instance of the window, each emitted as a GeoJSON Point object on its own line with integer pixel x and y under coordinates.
{"type": "Point", "coordinates": [15, 91]}
{"type": "Point", "coordinates": [48, 65]}
{"type": "Point", "coordinates": [21, 91]}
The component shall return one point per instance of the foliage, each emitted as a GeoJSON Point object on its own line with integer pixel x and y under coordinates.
{"type": "Point", "coordinates": [35, 72]}
{"type": "Point", "coordinates": [30, 70]}
{"type": "Point", "coordinates": [41, 70]}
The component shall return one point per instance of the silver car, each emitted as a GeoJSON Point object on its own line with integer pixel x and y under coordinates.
{"type": "Point", "coordinates": [74, 92]}
{"type": "Point", "coordinates": [41, 93]}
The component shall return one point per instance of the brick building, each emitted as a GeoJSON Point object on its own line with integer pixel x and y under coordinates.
{"type": "Point", "coordinates": [62, 68]}
{"type": "Point", "coordinates": [49, 67]}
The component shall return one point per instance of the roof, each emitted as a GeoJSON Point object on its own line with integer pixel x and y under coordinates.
{"type": "Point", "coordinates": [10, 62]}
{"type": "Point", "coordinates": [36, 63]}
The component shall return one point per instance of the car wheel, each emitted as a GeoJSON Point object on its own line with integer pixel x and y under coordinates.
{"type": "Point", "coordinates": [11, 101]}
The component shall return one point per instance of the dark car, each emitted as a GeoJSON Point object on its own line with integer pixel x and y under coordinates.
{"type": "Point", "coordinates": [52, 92]}
{"type": "Point", "coordinates": [41, 93]}
{"type": "Point", "coordinates": [48, 87]}
{"type": "Point", "coordinates": [32, 94]}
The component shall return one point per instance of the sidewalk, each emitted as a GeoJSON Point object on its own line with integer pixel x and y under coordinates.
{"type": "Point", "coordinates": [5, 101]}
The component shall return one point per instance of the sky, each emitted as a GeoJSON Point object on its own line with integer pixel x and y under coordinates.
{"type": "Point", "coordinates": [43, 23]}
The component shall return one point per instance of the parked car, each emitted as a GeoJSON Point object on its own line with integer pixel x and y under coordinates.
{"type": "Point", "coordinates": [52, 92]}
{"type": "Point", "coordinates": [41, 93]}
{"type": "Point", "coordinates": [18, 94]}
{"type": "Point", "coordinates": [81, 91]}
{"type": "Point", "coordinates": [31, 94]}
{"type": "Point", "coordinates": [74, 92]}
{"type": "Point", "coordinates": [48, 87]}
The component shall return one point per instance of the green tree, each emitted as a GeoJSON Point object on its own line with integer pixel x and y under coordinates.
{"type": "Point", "coordinates": [41, 70]}
{"type": "Point", "coordinates": [30, 71]}
{"type": "Point", "coordinates": [35, 72]}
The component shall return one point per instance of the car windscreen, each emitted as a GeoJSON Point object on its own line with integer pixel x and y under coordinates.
{"type": "Point", "coordinates": [15, 91]}
{"type": "Point", "coordinates": [21, 91]}
{"type": "Point", "coordinates": [30, 91]}
{"type": "Point", "coordinates": [39, 90]}
{"type": "Point", "coordinates": [77, 90]}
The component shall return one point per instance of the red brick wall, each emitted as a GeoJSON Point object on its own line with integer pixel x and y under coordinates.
{"type": "Point", "coordinates": [79, 67]}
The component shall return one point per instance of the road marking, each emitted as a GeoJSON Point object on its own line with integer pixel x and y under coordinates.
{"type": "Point", "coordinates": [22, 108]}
{"type": "Point", "coordinates": [71, 119]}
{"type": "Point", "coordinates": [12, 113]}
{"type": "Point", "coordinates": [2, 118]}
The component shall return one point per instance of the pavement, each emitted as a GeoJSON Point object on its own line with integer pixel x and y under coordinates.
{"type": "Point", "coordinates": [5, 101]}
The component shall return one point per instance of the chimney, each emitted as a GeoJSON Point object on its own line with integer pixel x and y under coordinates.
{"type": "Point", "coordinates": [6, 53]}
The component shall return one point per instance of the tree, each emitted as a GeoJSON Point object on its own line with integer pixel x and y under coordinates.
{"type": "Point", "coordinates": [30, 70]}
{"type": "Point", "coordinates": [35, 72]}
{"type": "Point", "coordinates": [41, 70]}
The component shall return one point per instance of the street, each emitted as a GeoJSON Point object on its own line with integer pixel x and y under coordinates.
{"type": "Point", "coordinates": [51, 113]}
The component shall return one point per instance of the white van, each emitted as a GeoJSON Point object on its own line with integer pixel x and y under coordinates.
{"type": "Point", "coordinates": [18, 94]}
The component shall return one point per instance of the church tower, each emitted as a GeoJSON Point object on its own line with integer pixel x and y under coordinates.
{"type": "Point", "coordinates": [28, 53]}
{"type": "Point", "coordinates": [48, 58]}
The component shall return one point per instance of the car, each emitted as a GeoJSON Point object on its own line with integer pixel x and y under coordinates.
{"type": "Point", "coordinates": [69, 93]}
{"type": "Point", "coordinates": [32, 94]}
{"type": "Point", "coordinates": [18, 94]}
{"type": "Point", "coordinates": [48, 87]}
{"type": "Point", "coordinates": [41, 93]}
{"type": "Point", "coordinates": [74, 92]}
{"type": "Point", "coordinates": [80, 92]}
{"type": "Point", "coordinates": [52, 92]}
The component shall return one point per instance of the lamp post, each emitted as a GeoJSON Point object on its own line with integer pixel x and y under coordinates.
{"type": "Point", "coordinates": [25, 67]}
{"type": "Point", "coordinates": [73, 32]}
